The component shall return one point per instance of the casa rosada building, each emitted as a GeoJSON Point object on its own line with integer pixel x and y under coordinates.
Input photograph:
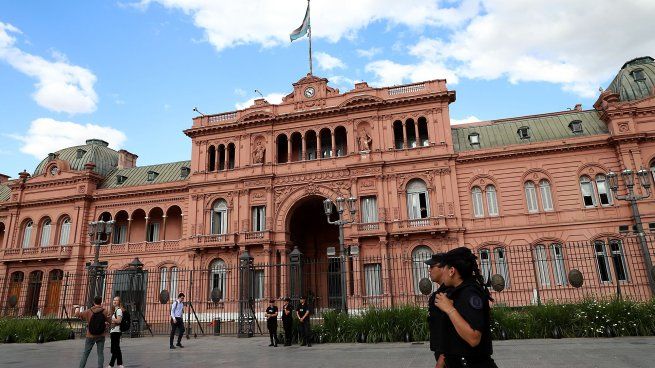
{"type": "Point", "coordinates": [257, 179]}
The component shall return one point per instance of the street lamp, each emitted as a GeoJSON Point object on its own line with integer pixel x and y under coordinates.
{"type": "Point", "coordinates": [99, 233]}
{"type": "Point", "coordinates": [341, 203]}
{"type": "Point", "coordinates": [629, 181]}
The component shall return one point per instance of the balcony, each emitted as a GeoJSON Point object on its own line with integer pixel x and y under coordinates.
{"type": "Point", "coordinates": [39, 253]}
{"type": "Point", "coordinates": [255, 237]}
{"type": "Point", "coordinates": [212, 241]}
{"type": "Point", "coordinates": [432, 225]}
{"type": "Point", "coordinates": [370, 229]}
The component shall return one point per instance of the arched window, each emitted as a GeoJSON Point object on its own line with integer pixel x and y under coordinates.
{"type": "Point", "coordinates": [398, 136]}
{"type": "Point", "coordinates": [15, 285]}
{"type": "Point", "coordinates": [53, 293]}
{"type": "Point", "coordinates": [603, 189]}
{"type": "Point", "coordinates": [559, 268]}
{"type": "Point", "coordinates": [219, 217]}
{"type": "Point", "coordinates": [485, 264]}
{"type": "Point", "coordinates": [492, 200]}
{"type": "Point", "coordinates": [27, 234]}
{"type": "Point", "coordinates": [531, 197]}
{"type": "Point", "coordinates": [231, 154]}
{"type": "Point", "coordinates": [168, 279]}
{"type": "Point", "coordinates": [587, 189]}
{"type": "Point", "coordinates": [296, 147]}
{"type": "Point", "coordinates": [310, 145]}
{"type": "Point", "coordinates": [45, 233]}
{"type": "Point", "coordinates": [326, 143]}
{"type": "Point", "coordinates": [546, 195]}
{"type": "Point", "coordinates": [418, 204]}
{"type": "Point", "coordinates": [497, 259]}
{"type": "Point", "coordinates": [423, 132]}
{"type": "Point", "coordinates": [478, 206]}
{"type": "Point", "coordinates": [602, 264]}
{"type": "Point", "coordinates": [341, 141]}
{"type": "Point", "coordinates": [211, 160]}
{"type": "Point", "coordinates": [410, 133]}
{"type": "Point", "coordinates": [64, 232]}
{"type": "Point", "coordinates": [221, 157]}
{"type": "Point", "coordinates": [282, 149]}
{"type": "Point", "coordinates": [500, 258]}
{"type": "Point", "coordinates": [420, 270]}
{"type": "Point", "coordinates": [541, 258]}
{"type": "Point", "coordinates": [218, 278]}
{"type": "Point", "coordinates": [33, 294]}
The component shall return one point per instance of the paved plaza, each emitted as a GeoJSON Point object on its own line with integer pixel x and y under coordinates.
{"type": "Point", "coordinates": [632, 352]}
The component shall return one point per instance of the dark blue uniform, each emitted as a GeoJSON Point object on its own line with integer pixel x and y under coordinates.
{"type": "Point", "coordinates": [304, 328]}
{"type": "Point", "coordinates": [287, 323]}
{"type": "Point", "coordinates": [472, 304]}
{"type": "Point", "coordinates": [271, 324]}
{"type": "Point", "coordinates": [435, 320]}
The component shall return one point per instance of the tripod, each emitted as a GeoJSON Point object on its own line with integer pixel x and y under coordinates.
{"type": "Point", "coordinates": [251, 305]}
{"type": "Point", "coordinates": [192, 309]}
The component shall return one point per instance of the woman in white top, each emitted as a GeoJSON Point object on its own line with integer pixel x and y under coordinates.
{"type": "Point", "coordinates": [115, 332]}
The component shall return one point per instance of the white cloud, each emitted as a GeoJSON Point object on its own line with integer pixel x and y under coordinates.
{"type": "Point", "coordinates": [61, 86]}
{"type": "Point", "coordinates": [574, 44]}
{"type": "Point", "coordinates": [239, 92]}
{"type": "Point", "coordinates": [368, 53]}
{"type": "Point", "coordinates": [390, 73]}
{"type": "Point", "coordinates": [342, 82]}
{"type": "Point", "coordinates": [268, 23]}
{"type": "Point", "coordinates": [47, 135]}
{"type": "Point", "coordinates": [468, 119]}
{"type": "Point", "coordinates": [274, 98]}
{"type": "Point", "coordinates": [328, 62]}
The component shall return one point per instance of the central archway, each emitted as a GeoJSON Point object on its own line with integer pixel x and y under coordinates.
{"type": "Point", "coordinates": [310, 232]}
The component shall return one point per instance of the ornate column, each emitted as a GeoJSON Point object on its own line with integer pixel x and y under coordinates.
{"type": "Point", "coordinates": [405, 140]}
{"type": "Point", "coordinates": [416, 139]}
{"type": "Point", "coordinates": [304, 149]}
{"type": "Point", "coordinates": [333, 152]}
{"type": "Point", "coordinates": [129, 229]}
{"type": "Point", "coordinates": [288, 150]}
{"type": "Point", "coordinates": [146, 229]}
{"type": "Point", "coordinates": [163, 228]}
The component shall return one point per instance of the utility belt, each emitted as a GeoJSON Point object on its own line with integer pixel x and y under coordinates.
{"type": "Point", "coordinates": [460, 361]}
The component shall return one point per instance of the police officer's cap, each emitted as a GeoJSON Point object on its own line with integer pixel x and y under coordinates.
{"type": "Point", "coordinates": [436, 259]}
{"type": "Point", "coordinates": [460, 253]}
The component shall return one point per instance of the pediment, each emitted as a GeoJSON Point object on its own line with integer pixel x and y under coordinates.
{"type": "Point", "coordinates": [257, 115]}
{"type": "Point", "coordinates": [361, 100]}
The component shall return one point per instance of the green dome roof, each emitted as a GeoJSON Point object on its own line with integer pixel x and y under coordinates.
{"type": "Point", "coordinates": [95, 150]}
{"type": "Point", "coordinates": [635, 80]}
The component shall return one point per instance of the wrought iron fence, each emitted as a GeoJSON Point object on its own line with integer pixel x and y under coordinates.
{"type": "Point", "coordinates": [231, 299]}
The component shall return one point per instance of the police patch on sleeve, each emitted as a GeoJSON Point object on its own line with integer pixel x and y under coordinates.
{"type": "Point", "coordinates": [475, 302]}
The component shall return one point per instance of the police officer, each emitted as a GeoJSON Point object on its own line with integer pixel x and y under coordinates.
{"type": "Point", "coordinates": [302, 312]}
{"type": "Point", "coordinates": [467, 312]}
{"type": "Point", "coordinates": [271, 321]}
{"type": "Point", "coordinates": [287, 321]}
{"type": "Point", "coordinates": [435, 315]}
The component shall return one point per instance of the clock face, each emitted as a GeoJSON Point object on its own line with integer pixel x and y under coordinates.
{"type": "Point", "coordinates": [309, 92]}
{"type": "Point", "coordinates": [54, 170]}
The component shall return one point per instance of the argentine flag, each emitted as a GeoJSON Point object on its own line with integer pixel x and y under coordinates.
{"type": "Point", "coordinates": [304, 27]}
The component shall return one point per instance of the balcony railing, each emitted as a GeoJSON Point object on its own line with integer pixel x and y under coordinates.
{"type": "Point", "coordinates": [56, 251]}
{"type": "Point", "coordinates": [212, 240]}
{"type": "Point", "coordinates": [429, 224]}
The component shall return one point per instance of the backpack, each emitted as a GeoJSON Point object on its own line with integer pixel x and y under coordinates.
{"type": "Point", "coordinates": [126, 321]}
{"type": "Point", "coordinates": [97, 323]}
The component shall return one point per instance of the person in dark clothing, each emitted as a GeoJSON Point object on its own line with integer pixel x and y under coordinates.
{"type": "Point", "coordinates": [435, 315]}
{"type": "Point", "coordinates": [287, 321]}
{"type": "Point", "coordinates": [467, 312]}
{"type": "Point", "coordinates": [303, 322]}
{"type": "Point", "coordinates": [271, 322]}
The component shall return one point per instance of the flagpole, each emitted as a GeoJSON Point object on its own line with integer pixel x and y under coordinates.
{"type": "Point", "coordinates": [310, 39]}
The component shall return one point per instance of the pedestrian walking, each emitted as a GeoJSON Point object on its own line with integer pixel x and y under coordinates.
{"type": "Point", "coordinates": [435, 315]}
{"type": "Point", "coordinates": [287, 321]}
{"type": "Point", "coordinates": [97, 320]}
{"type": "Point", "coordinates": [303, 313]}
{"type": "Point", "coordinates": [115, 332]}
{"type": "Point", "coordinates": [271, 321]}
{"type": "Point", "coordinates": [467, 311]}
{"type": "Point", "coordinates": [177, 322]}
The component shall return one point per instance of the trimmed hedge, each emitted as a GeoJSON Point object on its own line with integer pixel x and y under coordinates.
{"type": "Point", "coordinates": [590, 318]}
{"type": "Point", "coordinates": [24, 330]}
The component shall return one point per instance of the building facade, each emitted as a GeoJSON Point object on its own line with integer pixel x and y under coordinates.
{"type": "Point", "coordinates": [257, 179]}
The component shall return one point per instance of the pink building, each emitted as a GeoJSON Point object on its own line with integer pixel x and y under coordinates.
{"type": "Point", "coordinates": [257, 179]}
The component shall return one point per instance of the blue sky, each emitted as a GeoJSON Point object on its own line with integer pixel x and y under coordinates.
{"type": "Point", "coordinates": [131, 72]}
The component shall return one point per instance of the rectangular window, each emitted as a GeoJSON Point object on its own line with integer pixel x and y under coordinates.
{"type": "Point", "coordinates": [601, 262]}
{"type": "Point", "coordinates": [163, 279]}
{"type": "Point", "coordinates": [618, 259]}
{"type": "Point", "coordinates": [153, 232]}
{"type": "Point", "coordinates": [65, 233]}
{"type": "Point", "coordinates": [559, 268]}
{"type": "Point", "coordinates": [219, 223]}
{"type": "Point", "coordinates": [531, 198]}
{"type": "Point", "coordinates": [45, 236]}
{"type": "Point", "coordinates": [369, 209]}
{"type": "Point", "coordinates": [492, 201]}
{"type": "Point", "coordinates": [120, 234]}
{"type": "Point", "coordinates": [27, 237]}
{"type": "Point", "coordinates": [587, 193]}
{"type": "Point", "coordinates": [542, 265]}
{"type": "Point", "coordinates": [259, 284]}
{"type": "Point", "coordinates": [259, 218]}
{"type": "Point", "coordinates": [546, 195]}
{"type": "Point", "coordinates": [413, 206]}
{"type": "Point", "coordinates": [373, 275]}
{"type": "Point", "coordinates": [603, 191]}
{"type": "Point", "coordinates": [173, 281]}
{"type": "Point", "coordinates": [423, 202]}
{"type": "Point", "coordinates": [478, 209]}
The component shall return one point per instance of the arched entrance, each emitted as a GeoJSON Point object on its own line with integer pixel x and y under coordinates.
{"type": "Point", "coordinates": [309, 231]}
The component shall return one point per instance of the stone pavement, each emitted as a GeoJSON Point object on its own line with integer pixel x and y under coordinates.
{"type": "Point", "coordinates": [632, 352]}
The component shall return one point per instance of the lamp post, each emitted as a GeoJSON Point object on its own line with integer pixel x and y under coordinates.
{"type": "Point", "coordinates": [99, 233]}
{"type": "Point", "coordinates": [643, 176]}
{"type": "Point", "coordinates": [351, 203]}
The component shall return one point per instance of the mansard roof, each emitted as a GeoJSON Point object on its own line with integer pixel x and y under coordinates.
{"type": "Point", "coordinates": [95, 150]}
{"type": "Point", "coordinates": [547, 127]}
{"type": "Point", "coordinates": [635, 80]}
{"type": "Point", "coordinates": [4, 192]}
{"type": "Point", "coordinates": [135, 176]}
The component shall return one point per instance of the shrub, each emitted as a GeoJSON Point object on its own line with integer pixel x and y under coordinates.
{"type": "Point", "coordinates": [24, 330]}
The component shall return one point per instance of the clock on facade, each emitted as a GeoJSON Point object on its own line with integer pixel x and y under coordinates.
{"type": "Point", "coordinates": [54, 170]}
{"type": "Point", "coordinates": [309, 92]}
